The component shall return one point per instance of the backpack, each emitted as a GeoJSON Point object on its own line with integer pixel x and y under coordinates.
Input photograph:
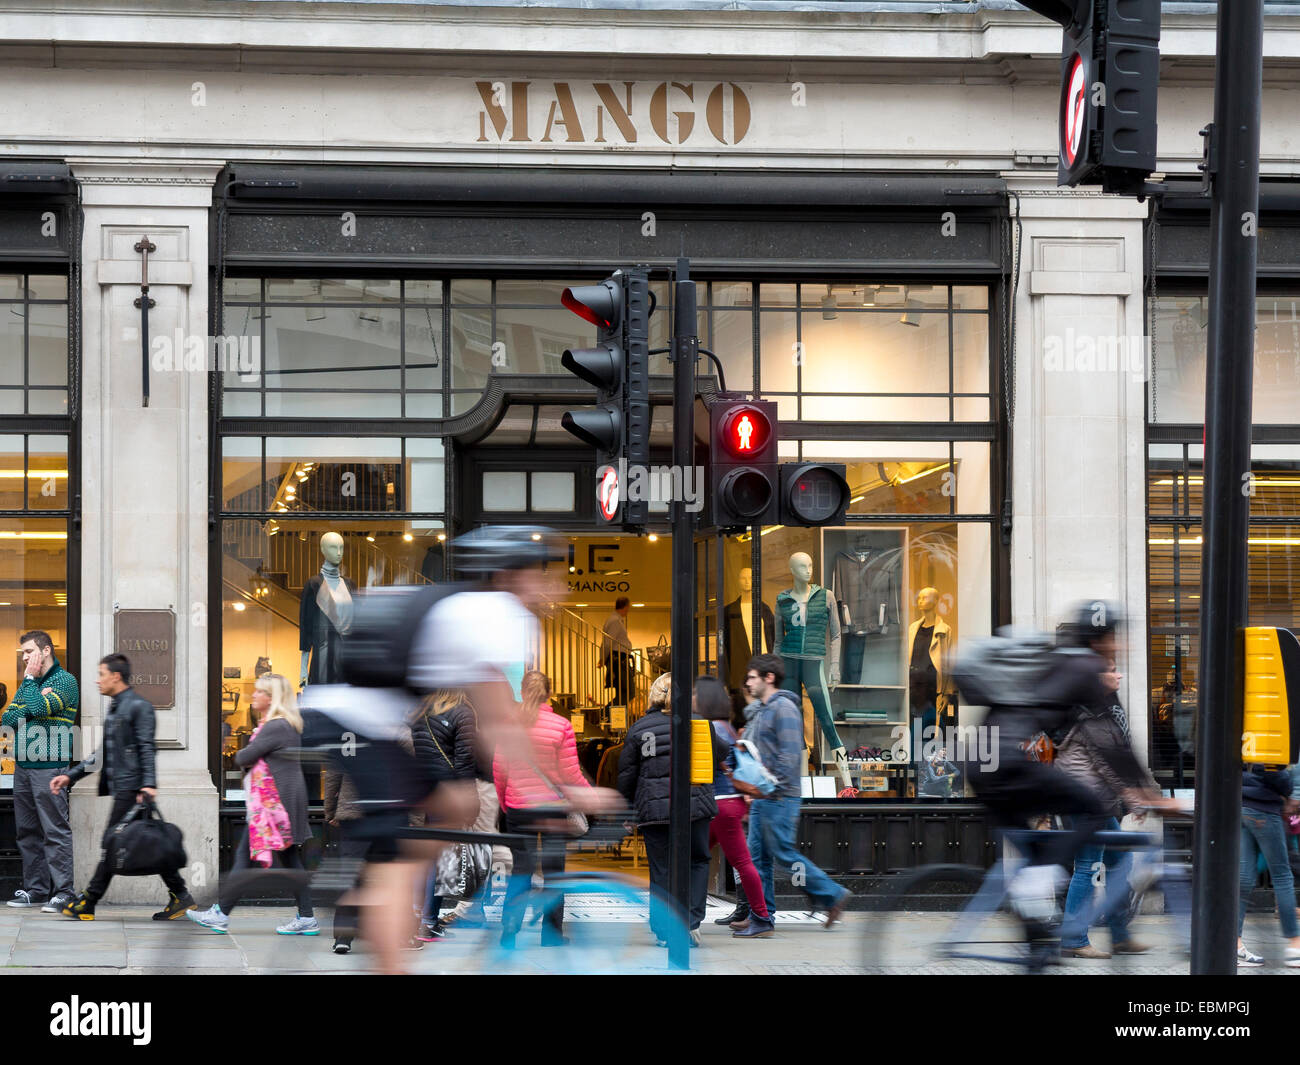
{"type": "Point", "coordinates": [1005, 670]}
{"type": "Point", "coordinates": [376, 652]}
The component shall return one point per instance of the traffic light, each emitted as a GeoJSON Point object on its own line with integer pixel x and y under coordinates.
{"type": "Point", "coordinates": [619, 366]}
{"type": "Point", "coordinates": [1110, 73]}
{"type": "Point", "coordinates": [742, 462]}
{"type": "Point", "coordinates": [813, 493]}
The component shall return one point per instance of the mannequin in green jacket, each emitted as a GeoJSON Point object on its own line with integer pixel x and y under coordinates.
{"type": "Point", "coordinates": [807, 628]}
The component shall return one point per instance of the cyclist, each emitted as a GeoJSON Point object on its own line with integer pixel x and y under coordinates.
{"type": "Point", "coordinates": [1016, 788]}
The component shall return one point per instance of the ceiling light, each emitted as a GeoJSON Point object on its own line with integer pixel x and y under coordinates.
{"type": "Point", "coordinates": [537, 536]}
{"type": "Point", "coordinates": [441, 537]}
{"type": "Point", "coordinates": [908, 318]}
{"type": "Point", "coordinates": [869, 295]}
{"type": "Point", "coordinates": [638, 604]}
{"type": "Point", "coordinates": [830, 309]}
{"type": "Point", "coordinates": [302, 476]}
{"type": "Point", "coordinates": [407, 537]}
{"type": "Point", "coordinates": [370, 539]}
{"type": "Point", "coordinates": [654, 538]}
{"type": "Point", "coordinates": [238, 606]}
{"type": "Point", "coordinates": [33, 536]}
{"type": "Point", "coordinates": [579, 604]}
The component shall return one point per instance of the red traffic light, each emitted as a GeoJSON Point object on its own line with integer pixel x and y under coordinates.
{"type": "Point", "coordinates": [745, 431]}
{"type": "Point", "coordinates": [599, 304]}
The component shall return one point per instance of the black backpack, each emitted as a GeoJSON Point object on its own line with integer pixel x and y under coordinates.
{"type": "Point", "coordinates": [376, 652]}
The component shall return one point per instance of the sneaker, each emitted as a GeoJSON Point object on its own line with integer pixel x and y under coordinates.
{"type": "Point", "coordinates": [342, 946]}
{"type": "Point", "coordinates": [23, 899]}
{"type": "Point", "coordinates": [426, 933]}
{"type": "Point", "coordinates": [1291, 959]}
{"type": "Point", "coordinates": [756, 928]}
{"type": "Point", "coordinates": [82, 908]}
{"type": "Point", "coordinates": [697, 940]}
{"type": "Point", "coordinates": [413, 944]}
{"type": "Point", "coordinates": [57, 902]}
{"type": "Point", "coordinates": [176, 905]}
{"type": "Point", "coordinates": [1246, 959]}
{"type": "Point", "coordinates": [210, 918]}
{"type": "Point", "coordinates": [300, 926]}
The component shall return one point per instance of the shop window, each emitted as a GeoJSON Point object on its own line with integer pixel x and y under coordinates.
{"type": "Point", "coordinates": [1178, 346]}
{"type": "Point", "coordinates": [33, 344]}
{"type": "Point", "coordinates": [272, 620]}
{"type": "Point", "coordinates": [505, 491]}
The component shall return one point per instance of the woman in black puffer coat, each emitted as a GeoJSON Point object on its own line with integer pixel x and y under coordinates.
{"type": "Point", "coordinates": [643, 771]}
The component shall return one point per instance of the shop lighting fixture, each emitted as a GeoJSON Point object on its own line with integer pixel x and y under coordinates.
{"type": "Point", "coordinates": [579, 604]}
{"type": "Point", "coordinates": [6, 604]}
{"type": "Point", "coordinates": [1255, 541]}
{"type": "Point", "coordinates": [923, 473]}
{"type": "Point", "coordinates": [238, 606]}
{"type": "Point", "coordinates": [302, 476]}
{"type": "Point", "coordinates": [830, 309]}
{"type": "Point", "coordinates": [1260, 482]}
{"type": "Point", "coordinates": [407, 537]}
{"type": "Point", "coordinates": [370, 539]}
{"type": "Point", "coordinates": [638, 604]}
{"type": "Point", "coordinates": [653, 538]}
{"type": "Point", "coordinates": [572, 569]}
{"type": "Point", "coordinates": [537, 536]}
{"type": "Point", "coordinates": [869, 295]}
{"type": "Point", "coordinates": [442, 537]}
{"type": "Point", "coordinates": [908, 318]}
{"type": "Point", "coordinates": [4, 535]}
{"type": "Point", "coordinates": [34, 475]}
{"type": "Point", "coordinates": [366, 315]}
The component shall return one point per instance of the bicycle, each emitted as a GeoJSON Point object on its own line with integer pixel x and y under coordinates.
{"type": "Point", "coordinates": [986, 929]}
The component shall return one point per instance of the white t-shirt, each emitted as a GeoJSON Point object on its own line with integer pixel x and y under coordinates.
{"type": "Point", "coordinates": [471, 637]}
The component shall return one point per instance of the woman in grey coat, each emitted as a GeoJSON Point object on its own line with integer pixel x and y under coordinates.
{"type": "Point", "coordinates": [276, 793]}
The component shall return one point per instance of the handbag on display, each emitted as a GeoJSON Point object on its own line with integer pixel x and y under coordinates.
{"type": "Point", "coordinates": [660, 656]}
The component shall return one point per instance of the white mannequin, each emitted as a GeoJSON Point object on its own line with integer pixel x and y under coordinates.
{"type": "Point", "coordinates": [801, 569]}
{"type": "Point", "coordinates": [331, 549]}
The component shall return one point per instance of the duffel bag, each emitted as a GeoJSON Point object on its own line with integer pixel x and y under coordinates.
{"type": "Point", "coordinates": [143, 844]}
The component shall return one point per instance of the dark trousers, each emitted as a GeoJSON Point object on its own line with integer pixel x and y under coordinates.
{"type": "Point", "coordinates": [122, 805]}
{"type": "Point", "coordinates": [244, 875]}
{"type": "Point", "coordinates": [1021, 789]}
{"type": "Point", "coordinates": [657, 856]}
{"type": "Point", "coordinates": [347, 917]}
{"type": "Point", "coordinates": [618, 675]}
{"type": "Point", "coordinates": [526, 860]}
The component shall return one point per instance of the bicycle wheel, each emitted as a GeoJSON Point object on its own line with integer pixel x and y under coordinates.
{"type": "Point", "coordinates": [914, 926]}
{"type": "Point", "coordinates": [604, 925]}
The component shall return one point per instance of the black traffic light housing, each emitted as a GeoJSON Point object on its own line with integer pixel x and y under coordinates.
{"type": "Point", "coordinates": [813, 494]}
{"type": "Point", "coordinates": [1110, 74]}
{"type": "Point", "coordinates": [742, 458]}
{"type": "Point", "coordinates": [619, 366]}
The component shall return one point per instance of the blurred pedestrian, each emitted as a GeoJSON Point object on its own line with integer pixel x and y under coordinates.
{"type": "Point", "coordinates": [276, 797]}
{"type": "Point", "coordinates": [536, 777]}
{"type": "Point", "coordinates": [644, 769]}
{"type": "Point", "coordinates": [1265, 797]}
{"type": "Point", "coordinates": [126, 762]}
{"type": "Point", "coordinates": [750, 919]}
{"type": "Point", "coordinates": [42, 715]}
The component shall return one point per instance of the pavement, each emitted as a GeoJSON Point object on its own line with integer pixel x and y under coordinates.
{"type": "Point", "coordinates": [605, 938]}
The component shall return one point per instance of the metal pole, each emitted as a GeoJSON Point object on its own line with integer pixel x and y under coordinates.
{"type": "Point", "coordinates": [685, 351]}
{"type": "Point", "coordinates": [1234, 162]}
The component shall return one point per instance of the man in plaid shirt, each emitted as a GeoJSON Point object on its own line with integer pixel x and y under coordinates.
{"type": "Point", "coordinates": [776, 730]}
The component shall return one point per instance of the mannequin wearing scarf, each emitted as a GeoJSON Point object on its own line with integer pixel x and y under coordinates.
{"type": "Point", "coordinates": [325, 616]}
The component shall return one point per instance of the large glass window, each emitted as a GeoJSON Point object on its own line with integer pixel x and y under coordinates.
{"type": "Point", "coordinates": [33, 344]}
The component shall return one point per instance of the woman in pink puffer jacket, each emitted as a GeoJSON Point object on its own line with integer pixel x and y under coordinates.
{"type": "Point", "coordinates": [536, 780]}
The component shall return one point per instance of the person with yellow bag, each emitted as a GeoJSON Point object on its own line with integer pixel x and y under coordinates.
{"type": "Point", "coordinates": [643, 778]}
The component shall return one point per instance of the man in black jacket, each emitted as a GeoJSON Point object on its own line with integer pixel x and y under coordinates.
{"type": "Point", "coordinates": [126, 771]}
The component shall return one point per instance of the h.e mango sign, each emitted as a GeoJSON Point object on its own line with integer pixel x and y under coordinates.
{"type": "Point", "coordinates": [623, 114]}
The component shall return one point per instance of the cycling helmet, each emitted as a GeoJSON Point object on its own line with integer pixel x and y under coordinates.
{"type": "Point", "coordinates": [502, 547]}
{"type": "Point", "coordinates": [1091, 620]}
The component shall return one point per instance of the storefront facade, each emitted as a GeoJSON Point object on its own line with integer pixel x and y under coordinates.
{"type": "Point", "coordinates": [356, 330]}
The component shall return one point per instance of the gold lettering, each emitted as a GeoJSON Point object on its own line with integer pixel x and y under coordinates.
{"type": "Point", "coordinates": [492, 110]}
{"type": "Point", "coordinates": [659, 113]}
{"type": "Point", "coordinates": [621, 115]}
{"type": "Point", "coordinates": [716, 117]}
{"type": "Point", "coordinates": [572, 127]}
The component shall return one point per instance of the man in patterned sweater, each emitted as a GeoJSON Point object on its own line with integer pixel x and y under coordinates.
{"type": "Point", "coordinates": [41, 715]}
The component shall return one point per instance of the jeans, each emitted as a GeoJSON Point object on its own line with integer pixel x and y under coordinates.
{"type": "Point", "coordinates": [1264, 833]}
{"type": "Point", "coordinates": [726, 828]}
{"type": "Point", "coordinates": [1081, 907]}
{"type": "Point", "coordinates": [122, 804]}
{"type": "Point", "coordinates": [772, 826]}
{"type": "Point", "coordinates": [658, 857]}
{"type": "Point", "coordinates": [550, 859]}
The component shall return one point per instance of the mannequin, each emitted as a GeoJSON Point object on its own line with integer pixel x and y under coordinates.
{"type": "Point", "coordinates": [929, 645]}
{"type": "Point", "coordinates": [325, 616]}
{"type": "Point", "coordinates": [807, 630]}
{"type": "Point", "coordinates": [738, 618]}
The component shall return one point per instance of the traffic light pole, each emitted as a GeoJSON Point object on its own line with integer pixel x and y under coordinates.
{"type": "Point", "coordinates": [685, 351]}
{"type": "Point", "coordinates": [1224, 587]}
